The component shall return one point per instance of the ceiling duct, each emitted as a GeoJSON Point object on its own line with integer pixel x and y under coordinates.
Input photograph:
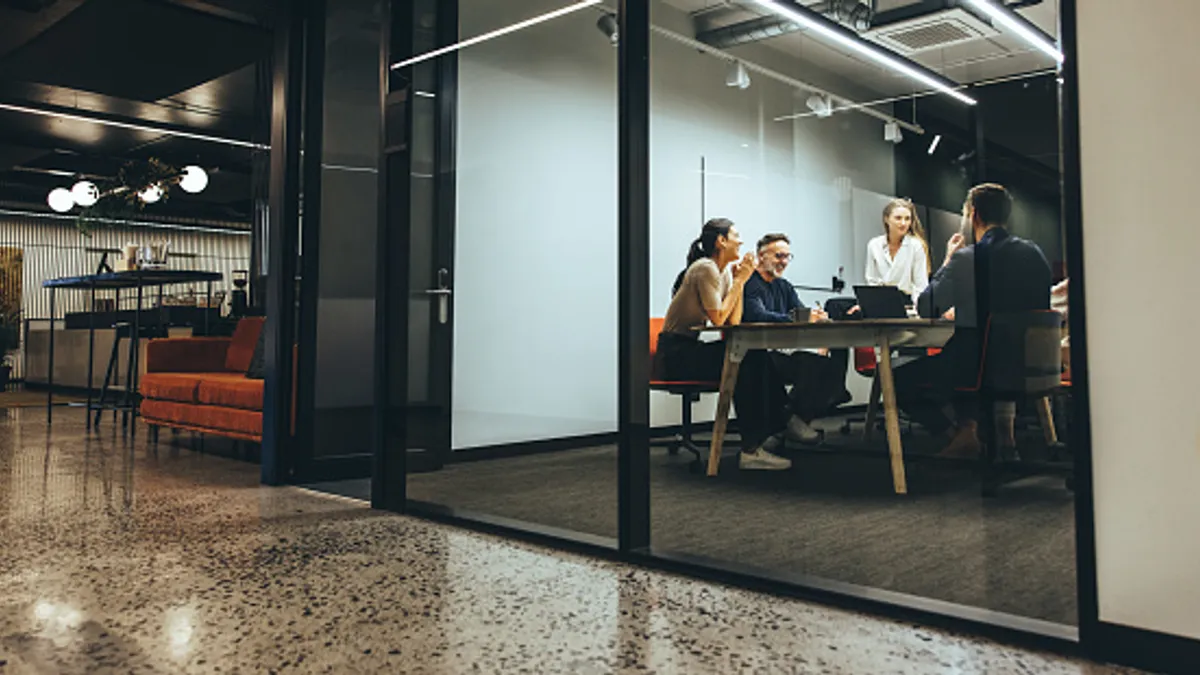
{"type": "Point", "coordinates": [854, 13]}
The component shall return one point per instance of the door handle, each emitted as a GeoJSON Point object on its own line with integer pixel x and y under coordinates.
{"type": "Point", "coordinates": [443, 293]}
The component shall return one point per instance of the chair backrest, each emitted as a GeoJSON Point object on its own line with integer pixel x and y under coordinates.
{"type": "Point", "coordinates": [656, 324]}
{"type": "Point", "coordinates": [865, 360]}
{"type": "Point", "coordinates": [1022, 352]}
{"type": "Point", "coordinates": [241, 347]}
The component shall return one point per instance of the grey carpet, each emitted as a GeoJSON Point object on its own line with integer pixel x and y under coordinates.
{"type": "Point", "coordinates": [833, 516]}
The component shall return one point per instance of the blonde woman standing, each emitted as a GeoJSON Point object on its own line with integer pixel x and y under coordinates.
{"type": "Point", "coordinates": [900, 256]}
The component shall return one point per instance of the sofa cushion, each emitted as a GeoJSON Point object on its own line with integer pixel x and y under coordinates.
{"type": "Point", "coordinates": [241, 348]}
{"type": "Point", "coordinates": [210, 417]}
{"type": "Point", "coordinates": [179, 387]}
{"type": "Point", "coordinates": [232, 390]}
{"type": "Point", "coordinates": [257, 369]}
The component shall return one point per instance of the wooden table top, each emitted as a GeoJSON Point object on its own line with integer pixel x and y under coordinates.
{"type": "Point", "coordinates": [832, 325]}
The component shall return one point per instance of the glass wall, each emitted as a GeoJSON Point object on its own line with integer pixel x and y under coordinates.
{"type": "Point", "coordinates": [510, 192]}
{"type": "Point", "coordinates": [845, 427]}
{"type": "Point", "coordinates": [769, 134]}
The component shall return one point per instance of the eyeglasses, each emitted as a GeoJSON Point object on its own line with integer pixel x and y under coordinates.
{"type": "Point", "coordinates": [784, 257]}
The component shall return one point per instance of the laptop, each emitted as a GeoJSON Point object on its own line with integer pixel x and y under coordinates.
{"type": "Point", "coordinates": [882, 302]}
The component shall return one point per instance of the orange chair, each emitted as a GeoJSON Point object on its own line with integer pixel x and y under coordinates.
{"type": "Point", "coordinates": [689, 392]}
{"type": "Point", "coordinates": [865, 364]}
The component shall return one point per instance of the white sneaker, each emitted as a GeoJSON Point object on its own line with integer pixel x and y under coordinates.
{"type": "Point", "coordinates": [801, 431]}
{"type": "Point", "coordinates": [762, 460]}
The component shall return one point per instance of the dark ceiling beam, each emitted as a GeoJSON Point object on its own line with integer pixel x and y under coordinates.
{"type": "Point", "coordinates": [221, 11]}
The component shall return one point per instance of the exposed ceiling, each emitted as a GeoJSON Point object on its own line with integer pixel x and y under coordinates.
{"type": "Point", "coordinates": [982, 59]}
{"type": "Point", "coordinates": [1020, 114]}
{"type": "Point", "coordinates": [185, 65]}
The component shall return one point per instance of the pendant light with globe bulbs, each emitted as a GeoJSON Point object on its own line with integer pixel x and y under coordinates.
{"type": "Point", "coordinates": [135, 188]}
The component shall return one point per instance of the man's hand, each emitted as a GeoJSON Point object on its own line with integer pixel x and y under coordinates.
{"type": "Point", "coordinates": [817, 314]}
{"type": "Point", "coordinates": [742, 270]}
{"type": "Point", "coordinates": [853, 310]}
{"type": "Point", "coordinates": [953, 245]}
{"type": "Point", "coordinates": [949, 315]}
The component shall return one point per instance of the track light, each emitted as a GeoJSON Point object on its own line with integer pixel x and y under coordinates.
{"type": "Point", "coordinates": [820, 105]}
{"type": "Point", "coordinates": [607, 23]}
{"type": "Point", "coordinates": [933, 146]}
{"type": "Point", "coordinates": [853, 13]}
{"type": "Point", "coordinates": [737, 76]}
{"type": "Point", "coordinates": [892, 133]}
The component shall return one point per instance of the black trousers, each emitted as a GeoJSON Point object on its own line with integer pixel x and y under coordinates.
{"type": "Point", "coordinates": [926, 386]}
{"type": "Point", "coordinates": [759, 395]}
{"type": "Point", "coordinates": [817, 381]}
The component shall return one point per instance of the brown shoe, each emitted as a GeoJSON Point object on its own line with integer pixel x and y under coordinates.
{"type": "Point", "coordinates": [964, 443]}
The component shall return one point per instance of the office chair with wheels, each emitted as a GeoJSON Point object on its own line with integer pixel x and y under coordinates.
{"type": "Point", "coordinates": [689, 392]}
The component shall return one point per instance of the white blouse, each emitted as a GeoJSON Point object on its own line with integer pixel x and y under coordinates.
{"type": "Point", "coordinates": [909, 271]}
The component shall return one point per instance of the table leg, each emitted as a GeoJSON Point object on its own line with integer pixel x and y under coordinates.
{"type": "Point", "coordinates": [729, 375]}
{"type": "Point", "coordinates": [891, 417]}
{"type": "Point", "coordinates": [136, 357]}
{"type": "Point", "coordinates": [50, 372]}
{"type": "Point", "coordinates": [872, 407]}
{"type": "Point", "coordinates": [91, 354]}
{"type": "Point", "coordinates": [1046, 417]}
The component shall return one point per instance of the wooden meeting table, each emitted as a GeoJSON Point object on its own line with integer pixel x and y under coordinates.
{"type": "Point", "coordinates": [886, 334]}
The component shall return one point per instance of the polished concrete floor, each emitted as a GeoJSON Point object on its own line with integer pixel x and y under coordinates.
{"type": "Point", "coordinates": [119, 559]}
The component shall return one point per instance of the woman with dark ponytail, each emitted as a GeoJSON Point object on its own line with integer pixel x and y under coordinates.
{"type": "Point", "coordinates": [709, 291]}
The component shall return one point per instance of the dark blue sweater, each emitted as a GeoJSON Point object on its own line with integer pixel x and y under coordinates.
{"type": "Point", "coordinates": [769, 302]}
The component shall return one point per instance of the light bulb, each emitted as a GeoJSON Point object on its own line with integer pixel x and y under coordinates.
{"type": "Point", "coordinates": [85, 193]}
{"type": "Point", "coordinates": [60, 200]}
{"type": "Point", "coordinates": [151, 194]}
{"type": "Point", "coordinates": [194, 179]}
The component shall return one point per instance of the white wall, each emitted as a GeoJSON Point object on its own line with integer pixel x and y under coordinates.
{"type": "Point", "coordinates": [1138, 103]}
{"type": "Point", "coordinates": [537, 206]}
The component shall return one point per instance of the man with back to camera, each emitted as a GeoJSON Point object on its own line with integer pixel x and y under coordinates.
{"type": "Point", "coordinates": [1012, 275]}
{"type": "Point", "coordinates": [818, 381]}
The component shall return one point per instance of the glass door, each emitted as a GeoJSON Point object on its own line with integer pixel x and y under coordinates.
{"type": "Point", "coordinates": [419, 231]}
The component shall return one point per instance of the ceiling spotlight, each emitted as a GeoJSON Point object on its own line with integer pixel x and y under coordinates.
{"type": "Point", "coordinates": [151, 194]}
{"type": "Point", "coordinates": [820, 105]}
{"type": "Point", "coordinates": [737, 76]}
{"type": "Point", "coordinates": [194, 179]}
{"type": "Point", "coordinates": [85, 193]}
{"type": "Point", "coordinates": [60, 200]}
{"type": "Point", "coordinates": [607, 23]}
{"type": "Point", "coordinates": [892, 133]}
{"type": "Point", "coordinates": [853, 13]}
{"type": "Point", "coordinates": [933, 146]}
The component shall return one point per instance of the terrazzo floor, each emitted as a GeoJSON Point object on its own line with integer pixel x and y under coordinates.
{"type": "Point", "coordinates": [116, 559]}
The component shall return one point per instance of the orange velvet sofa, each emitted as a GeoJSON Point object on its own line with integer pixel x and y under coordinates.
{"type": "Point", "coordinates": [200, 384]}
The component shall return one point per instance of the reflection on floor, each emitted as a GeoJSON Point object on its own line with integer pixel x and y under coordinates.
{"type": "Point", "coordinates": [833, 516]}
{"type": "Point", "coordinates": [119, 559]}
